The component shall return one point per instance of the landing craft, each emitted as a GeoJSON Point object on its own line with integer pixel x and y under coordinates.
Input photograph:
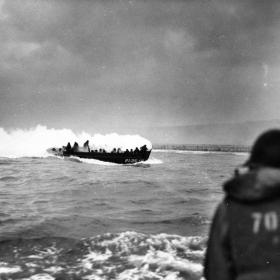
{"type": "Point", "coordinates": [116, 156]}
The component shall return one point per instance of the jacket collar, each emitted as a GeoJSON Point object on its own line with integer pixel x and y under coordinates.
{"type": "Point", "coordinates": [254, 185]}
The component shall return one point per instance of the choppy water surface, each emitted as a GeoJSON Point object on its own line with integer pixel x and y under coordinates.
{"type": "Point", "coordinates": [72, 219]}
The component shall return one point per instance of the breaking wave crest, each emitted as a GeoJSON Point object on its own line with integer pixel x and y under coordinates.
{"type": "Point", "coordinates": [123, 256]}
{"type": "Point", "coordinates": [152, 160]}
{"type": "Point", "coordinates": [35, 141]}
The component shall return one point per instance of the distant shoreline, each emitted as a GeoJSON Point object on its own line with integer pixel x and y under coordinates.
{"type": "Point", "coordinates": [204, 148]}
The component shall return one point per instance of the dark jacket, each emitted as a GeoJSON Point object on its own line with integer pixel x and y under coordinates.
{"type": "Point", "coordinates": [244, 241]}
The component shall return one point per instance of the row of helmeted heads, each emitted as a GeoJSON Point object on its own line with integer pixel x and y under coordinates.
{"type": "Point", "coordinates": [86, 148]}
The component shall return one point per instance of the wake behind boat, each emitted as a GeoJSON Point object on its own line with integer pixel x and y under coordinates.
{"type": "Point", "coordinates": [115, 156]}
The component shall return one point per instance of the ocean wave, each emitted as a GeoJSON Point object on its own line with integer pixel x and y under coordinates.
{"type": "Point", "coordinates": [122, 256]}
{"type": "Point", "coordinates": [6, 161]}
{"type": "Point", "coordinates": [153, 160]}
{"type": "Point", "coordinates": [8, 178]}
{"type": "Point", "coordinates": [194, 220]}
{"type": "Point", "coordinates": [8, 269]}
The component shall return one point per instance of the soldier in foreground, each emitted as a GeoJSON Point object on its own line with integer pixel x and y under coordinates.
{"type": "Point", "coordinates": [244, 241]}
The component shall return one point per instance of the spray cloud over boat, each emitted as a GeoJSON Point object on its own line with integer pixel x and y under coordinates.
{"type": "Point", "coordinates": [35, 141]}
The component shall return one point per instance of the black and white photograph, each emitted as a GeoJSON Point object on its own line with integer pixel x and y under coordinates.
{"type": "Point", "coordinates": [139, 139]}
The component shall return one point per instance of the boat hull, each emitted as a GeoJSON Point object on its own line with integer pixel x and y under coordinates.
{"type": "Point", "coordinates": [120, 158]}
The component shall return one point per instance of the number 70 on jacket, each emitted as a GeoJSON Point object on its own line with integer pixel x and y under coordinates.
{"type": "Point", "coordinates": [268, 220]}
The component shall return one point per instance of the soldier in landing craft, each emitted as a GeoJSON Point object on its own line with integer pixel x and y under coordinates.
{"type": "Point", "coordinates": [244, 241]}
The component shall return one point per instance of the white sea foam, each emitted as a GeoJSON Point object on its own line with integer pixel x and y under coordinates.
{"type": "Point", "coordinates": [161, 256]}
{"type": "Point", "coordinates": [35, 141]}
{"type": "Point", "coordinates": [40, 276]}
{"type": "Point", "coordinates": [93, 277]}
{"type": "Point", "coordinates": [241, 154]}
{"type": "Point", "coordinates": [8, 269]}
{"type": "Point", "coordinates": [124, 256]}
{"type": "Point", "coordinates": [166, 261]}
{"type": "Point", "coordinates": [153, 160]}
{"type": "Point", "coordinates": [95, 257]}
{"type": "Point", "coordinates": [90, 161]}
{"type": "Point", "coordinates": [53, 269]}
{"type": "Point", "coordinates": [35, 257]}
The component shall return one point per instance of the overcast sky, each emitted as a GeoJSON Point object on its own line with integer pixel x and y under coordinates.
{"type": "Point", "coordinates": [114, 64]}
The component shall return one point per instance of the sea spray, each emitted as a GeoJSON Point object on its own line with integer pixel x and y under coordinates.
{"type": "Point", "coordinates": [35, 141]}
{"type": "Point", "coordinates": [150, 161]}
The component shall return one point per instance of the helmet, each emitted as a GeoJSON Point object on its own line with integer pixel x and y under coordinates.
{"type": "Point", "coordinates": [266, 150]}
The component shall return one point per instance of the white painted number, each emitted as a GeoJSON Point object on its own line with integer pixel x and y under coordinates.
{"type": "Point", "coordinates": [269, 220]}
{"type": "Point", "coordinates": [130, 160]}
{"type": "Point", "coordinates": [257, 217]}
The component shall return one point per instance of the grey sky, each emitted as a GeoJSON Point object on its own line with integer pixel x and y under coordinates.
{"type": "Point", "coordinates": [112, 64]}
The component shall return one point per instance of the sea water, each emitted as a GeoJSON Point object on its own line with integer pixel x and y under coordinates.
{"type": "Point", "coordinates": [85, 219]}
